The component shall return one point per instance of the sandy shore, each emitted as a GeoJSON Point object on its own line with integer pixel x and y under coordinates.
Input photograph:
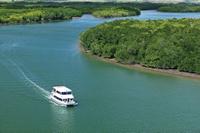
{"type": "Point", "coordinates": [170, 72]}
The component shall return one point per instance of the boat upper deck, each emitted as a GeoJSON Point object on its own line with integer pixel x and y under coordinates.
{"type": "Point", "coordinates": [62, 89]}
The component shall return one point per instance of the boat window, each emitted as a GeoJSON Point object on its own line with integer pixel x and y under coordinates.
{"type": "Point", "coordinates": [66, 100]}
{"type": "Point", "coordinates": [58, 98]}
{"type": "Point", "coordinates": [58, 92]}
{"type": "Point", "coordinates": [65, 93]}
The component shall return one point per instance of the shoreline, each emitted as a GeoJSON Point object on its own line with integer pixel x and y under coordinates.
{"type": "Point", "coordinates": [169, 72]}
{"type": "Point", "coordinates": [40, 22]}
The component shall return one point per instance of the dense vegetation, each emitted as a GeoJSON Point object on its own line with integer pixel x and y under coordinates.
{"type": "Point", "coordinates": [116, 12]}
{"type": "Point", "coordinates": [86, 7]}
{"type": "Point", "coordinates": [164, 44]}
{"type": "Point", "coordinates": [36, 15]}
{"type": "Point", "coordinates": [180, 8]}
{"type": "Point", "coordinates": [11, 13]}
{"type": "Point", "coordinates": [28, 12]}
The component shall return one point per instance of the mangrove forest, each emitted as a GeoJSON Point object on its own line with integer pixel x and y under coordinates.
{"type": "Point", "coordinates": [35, 12]}
{"type": "Point", "coordinates": [13, 13]}
{"type": "Point", "coordinates": [13, 16]}
{"type": "Point", "coordinates": [116, 12]}
{"type": "Point", "coordinates": [180, 8]}
{"type": "Point", "coordinates": [163, 44]}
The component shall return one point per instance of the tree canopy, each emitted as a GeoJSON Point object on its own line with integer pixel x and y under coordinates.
{"type": "Point", "coordinates": [180, 8]}
{"type": "Point", "coordinates": [36, 15]}
{"type": "Point", "coordinates": [116, 12]}
{"type": "Point", "coordinates": [164, 44]}
{"type": "Point", "coordinates": [12, 13]}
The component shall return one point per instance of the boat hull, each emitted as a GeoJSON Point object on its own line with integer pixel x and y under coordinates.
{"type": "Point", "coordinates": [62, 103]}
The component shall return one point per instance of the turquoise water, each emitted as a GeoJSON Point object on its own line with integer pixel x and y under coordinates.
{"type": "Point", "coordinates": [33, 58]}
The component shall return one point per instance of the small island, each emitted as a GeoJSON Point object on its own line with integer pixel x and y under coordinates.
{"type": "Point", "coordinates": [116, 12]}
{"type": "Point", "coordinates": [158, 44]}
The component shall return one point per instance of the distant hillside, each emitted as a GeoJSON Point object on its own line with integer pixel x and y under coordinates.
{"type": "Point", "coordinates": [153, 1]}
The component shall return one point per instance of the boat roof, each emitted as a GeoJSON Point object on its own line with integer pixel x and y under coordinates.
{"type": "Point", "coordinates": [67, 96]}
{"type": "Point", "coordinates": [62, 89]}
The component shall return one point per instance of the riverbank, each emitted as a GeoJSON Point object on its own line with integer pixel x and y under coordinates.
{"type": "Point", "coordinates": [42, 15]}
{"type": "Point", "coordinates": [162, 44]}
{"type": "Point", "coordinates": [37, 15]}
{"type": "Point", "coordinates": [147, 100]}
{"type": "Point", "coordinates": [27, 13]}
{"type": "Point", "coordinates": [169, 72]}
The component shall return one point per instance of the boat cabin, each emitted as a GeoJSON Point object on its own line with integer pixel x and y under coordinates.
{"type": "Point", "coordinates": [62, 90]}
{"type": "Point", "coordinates": [63, 95]}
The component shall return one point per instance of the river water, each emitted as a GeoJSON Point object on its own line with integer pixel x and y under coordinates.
{"type": "Point", "coordinates": [35, 57]}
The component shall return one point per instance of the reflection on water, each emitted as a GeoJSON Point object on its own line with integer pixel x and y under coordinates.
{"type": "Point", "coordinates": [62, 117]}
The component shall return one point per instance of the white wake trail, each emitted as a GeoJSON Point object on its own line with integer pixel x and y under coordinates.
{"type": "Point", "coordinates": [24, 77]}
{"type": "Point", "coordinates": [4, 48]}
{"type": "Point", "coordinates": [44, 92]}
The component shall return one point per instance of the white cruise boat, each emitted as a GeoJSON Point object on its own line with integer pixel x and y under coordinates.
{"type": "Point", "coordinates": [63, 96]}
